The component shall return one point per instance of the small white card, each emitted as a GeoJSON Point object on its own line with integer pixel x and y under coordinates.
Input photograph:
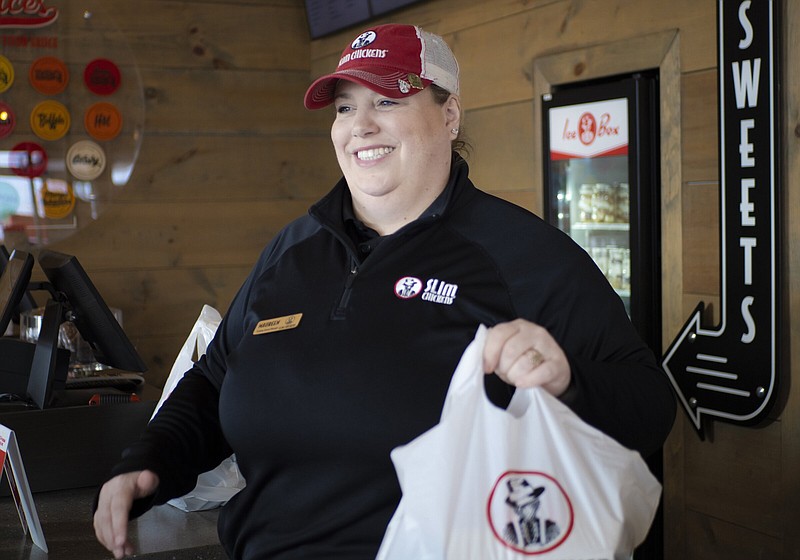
{"type": "Point", "coordinates": [20, 489]}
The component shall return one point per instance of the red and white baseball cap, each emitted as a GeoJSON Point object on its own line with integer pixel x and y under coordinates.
{"type": "Point", "coordinates": [394, 60]}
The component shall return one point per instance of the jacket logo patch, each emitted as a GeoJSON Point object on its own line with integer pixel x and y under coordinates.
{"type": "Point", "coordinates": [407, 287]}
{"type": "Point", "coordinates": [436, 291]}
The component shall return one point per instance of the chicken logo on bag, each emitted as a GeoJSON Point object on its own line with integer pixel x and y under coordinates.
{"type": "Point", "coordinates": [530, 512]}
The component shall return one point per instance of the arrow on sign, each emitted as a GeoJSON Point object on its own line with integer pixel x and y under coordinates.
{"type": "Point", "coordinates": [731, 371]}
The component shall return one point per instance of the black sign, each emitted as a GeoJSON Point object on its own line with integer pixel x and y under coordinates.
{"type": "Point", "coordinates": [730, 371]}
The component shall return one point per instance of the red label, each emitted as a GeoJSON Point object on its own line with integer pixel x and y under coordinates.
{"type": "Point", "coordinates": [102, 76]}
{"type": "Point", "coordinates": [28, 159]}
{"type": "Point", "coordinates": [7, 120]}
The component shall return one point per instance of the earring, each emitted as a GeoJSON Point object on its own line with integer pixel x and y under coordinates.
{"type": "Point", "coordinates": [454, 130]}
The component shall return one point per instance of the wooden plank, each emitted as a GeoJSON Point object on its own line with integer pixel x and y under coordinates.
{"type": "Point", "coordinates": [670, 140]}
{"type": "Point", "coordinates": [701, 238]}
{"type": "Point", "coordinates": [179, 34]}
{"type": "Point", "coordinates": [502, 154]}
{"type": "Point", "coordinates": [213, 167]}
{"type": "Point", "coordinates": [736, 476]}
{"type": "Point", "coordinates": [714, 538]}
{"type": "Point", "coordinates": [141, 235]}
{"type": "Point", "coordinates": [159, 353]}
{"type": "Point", "coordinates": [789, 504]}
{"type": "Point", "coordinates": [166, 302]}
{"type": "Point", "coordinates": [700, 126]}
{"type": "Point", "coordinates": [234, 101]}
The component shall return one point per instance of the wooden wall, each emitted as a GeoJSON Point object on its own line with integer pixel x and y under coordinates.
{"type": "Point", "coordinates": [230, 155]}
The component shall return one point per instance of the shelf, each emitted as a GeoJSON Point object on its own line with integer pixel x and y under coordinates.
{"type": "Point", "coordinates": [586, 226]}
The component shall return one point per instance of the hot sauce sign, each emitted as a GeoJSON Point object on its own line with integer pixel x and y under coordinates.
{"type": "Point", "coordinates": [26, 13]}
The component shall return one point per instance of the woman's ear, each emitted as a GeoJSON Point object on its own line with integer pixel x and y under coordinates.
{"type": "Point", "coordinates": [452, 109]}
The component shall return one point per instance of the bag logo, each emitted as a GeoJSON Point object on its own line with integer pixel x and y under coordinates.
{"type": "Point", "coordinates": [530, 512]}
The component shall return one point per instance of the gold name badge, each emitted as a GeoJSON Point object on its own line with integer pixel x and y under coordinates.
{"type": "Point", "coordinates": [278, 324]}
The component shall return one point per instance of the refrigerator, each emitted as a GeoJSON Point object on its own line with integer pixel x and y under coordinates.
{"type": "Point", "coordinates": [601, 186]}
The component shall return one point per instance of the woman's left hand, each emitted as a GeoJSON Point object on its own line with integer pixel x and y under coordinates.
{"type": "Point", "coordinates": [524, 354]}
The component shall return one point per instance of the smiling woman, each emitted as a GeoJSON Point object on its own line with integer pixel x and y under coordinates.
{"type": "Point", "coordinates": [389, 276]}
{"type": "Point", "coordinates": [394, 153]}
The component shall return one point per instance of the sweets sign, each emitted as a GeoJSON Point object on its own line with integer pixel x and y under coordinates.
{"type": "Point", "coordinates": [731, 371]}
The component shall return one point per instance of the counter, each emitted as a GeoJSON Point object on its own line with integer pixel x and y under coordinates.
{"type": "Point", "coordinates": [163, 533]}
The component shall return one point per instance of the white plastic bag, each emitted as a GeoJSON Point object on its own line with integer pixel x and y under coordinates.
{"type": "Point", "coordinates": [215, 487]}
{"type": "Point", "coordinates": [532, 480]}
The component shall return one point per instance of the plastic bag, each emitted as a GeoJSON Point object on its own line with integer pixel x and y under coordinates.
{"type": "Point", "coordinates": [531, 480]}
{"type": "Point", "coordinates": [215, 487]}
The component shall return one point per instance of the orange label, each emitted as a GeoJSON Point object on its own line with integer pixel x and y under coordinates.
{"type": "Point", "coordinates": [49, 75]}
{"type": "Point", "coordinates": [50, 120]}
{"type": "Point", "coordinates": [103, 121]}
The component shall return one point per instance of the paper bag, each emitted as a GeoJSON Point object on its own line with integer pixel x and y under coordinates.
{"type": "Point", "coordinates": [215, 487]}
{"type": "Point", "coordinates": [530, 481]}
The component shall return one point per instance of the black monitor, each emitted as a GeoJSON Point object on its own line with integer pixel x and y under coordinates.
{"type": "Point", "coordinates": [84, 306]}
{"type": "Point", "coordinates": [16, 273]}
{"type": "Point", "coordinates": [18, 379]}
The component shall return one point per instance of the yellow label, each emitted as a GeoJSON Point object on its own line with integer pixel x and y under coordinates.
{"type": "Point", "coordinates": [6, 73]}
{"type": "Point", "coordinates": [278, 324]}
{"type": "Point", "coordinates": [50, 120]}
{"type": "Point", "coordinates": [57, 198]}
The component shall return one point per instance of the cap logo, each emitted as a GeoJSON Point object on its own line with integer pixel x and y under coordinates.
{"type": "Point", "coordinates": [363, 40]}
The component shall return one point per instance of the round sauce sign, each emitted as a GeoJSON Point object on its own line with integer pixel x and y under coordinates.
{"type": "Point", "coordinates": [58, 199]}
{"type": "Point", "coordinates": [6, 74]}
{"type": "Point", "coordinates": [103, 121]}
{"type": "Point", "coordinates": [7, 120]}
{"type": "Point", "coordinates": [50, 120]}
{"type": "Point", "coordinates": [86, 160]}
{"type": "Point", "coordinates": [102, 76]}
{"type": "Point", "coordinates": [49, 75]}
{"type": "Point", "coordinates": [28, 159]}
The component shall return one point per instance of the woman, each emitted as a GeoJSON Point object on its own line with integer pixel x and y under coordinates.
{"type": "Point", "coordinates": [341, 342]}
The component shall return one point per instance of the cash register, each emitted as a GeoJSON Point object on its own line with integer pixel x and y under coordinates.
{"type": "Point", "coordinates": [37, 371]}
{"type": "Point", "coordinates": [65, 440]}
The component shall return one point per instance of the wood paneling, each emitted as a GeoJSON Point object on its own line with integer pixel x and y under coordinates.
{"type": "Point", "coordinates": [701, 237]}
{"type": "Point", "coordinates": [699, 124]}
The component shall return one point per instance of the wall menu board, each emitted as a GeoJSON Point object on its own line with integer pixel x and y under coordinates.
{"type": "Point", "coordinates": [329, 16]}
{"type": "Point", "coordinates": [71, 117]}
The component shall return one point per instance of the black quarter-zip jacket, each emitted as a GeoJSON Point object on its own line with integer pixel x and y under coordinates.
{"type": "Point", "coordinates": [312, 412]}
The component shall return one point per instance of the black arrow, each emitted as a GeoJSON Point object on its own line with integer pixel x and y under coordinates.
{"type": "Point", "coordinates": [730, 371]}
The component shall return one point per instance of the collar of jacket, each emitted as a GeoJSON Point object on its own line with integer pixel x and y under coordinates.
{"type": "Point", "coordinates": [329, 211]}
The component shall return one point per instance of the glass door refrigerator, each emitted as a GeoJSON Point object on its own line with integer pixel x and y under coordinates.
{"type": "Point", "coordinates": [601, 186]}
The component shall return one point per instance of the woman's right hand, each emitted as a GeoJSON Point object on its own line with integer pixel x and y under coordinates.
{"type": "Point", "coordinates": [114, 506]}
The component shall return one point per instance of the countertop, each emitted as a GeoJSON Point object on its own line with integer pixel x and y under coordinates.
{"type": "Point", "coordinates": [163, 533]}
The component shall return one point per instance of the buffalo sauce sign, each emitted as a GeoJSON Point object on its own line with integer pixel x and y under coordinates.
{"type": "Point", "coordinates": [26, 14]}
{"type": "Point", "coordinates": [588, 130]}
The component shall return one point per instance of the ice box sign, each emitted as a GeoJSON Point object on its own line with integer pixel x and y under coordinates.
{"type": "Point", "coordinates": [589, 130]}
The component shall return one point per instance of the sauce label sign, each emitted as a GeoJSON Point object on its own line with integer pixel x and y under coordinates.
{"type": "Point", "coordinates": [731, 371]}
